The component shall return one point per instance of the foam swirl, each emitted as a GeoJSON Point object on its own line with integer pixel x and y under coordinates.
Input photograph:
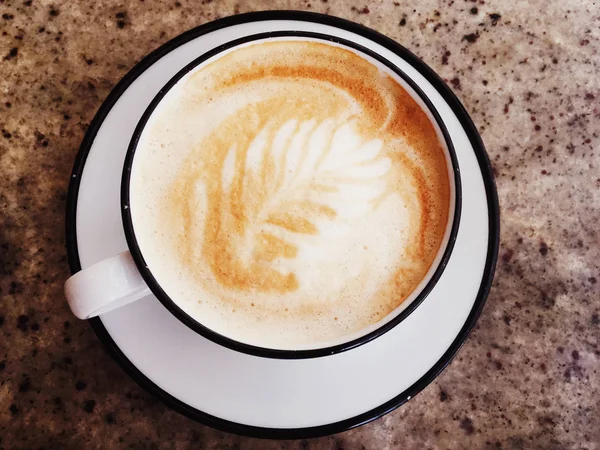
{"type": "Point", "coordinates": [280, 191]}
{"type": "Point", "coordinates": [289, 192]}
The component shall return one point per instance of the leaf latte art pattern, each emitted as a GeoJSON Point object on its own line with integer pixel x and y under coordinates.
{"type": "Point", "coordinates": [289, 187]}
{"type": "Point", "coordinates": [289, 192]}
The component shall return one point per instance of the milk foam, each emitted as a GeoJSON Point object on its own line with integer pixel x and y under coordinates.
{"type": "Point", "coordinates": [300, 198]}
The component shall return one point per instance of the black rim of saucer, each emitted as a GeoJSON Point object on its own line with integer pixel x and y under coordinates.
{"type": "Point", "coordinates": [218, 338]}
{"type": "Point", "coordinates": [493, 223]}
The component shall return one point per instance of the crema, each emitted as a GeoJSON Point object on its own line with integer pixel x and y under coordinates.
{"type": "Point", "coordinates": [289, 193]}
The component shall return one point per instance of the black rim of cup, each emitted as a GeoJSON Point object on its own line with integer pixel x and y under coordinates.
{"type": "Point", "coordinates": [233, 344]}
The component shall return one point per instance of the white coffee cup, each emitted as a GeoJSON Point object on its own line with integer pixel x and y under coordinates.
{"type": "Point", "coordinates": [125, 278]}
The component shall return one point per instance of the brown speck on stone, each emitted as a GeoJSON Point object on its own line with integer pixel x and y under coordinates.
{"type": "Point", "coordinates": [584, 42]}
{"type": "Point", "coordinates": [445, 57]}
{"type": "Point", "coordinates": [7, 16]}
{"type": "Point", "coordinates": [592, 280]}
{"type": "Point", "coordinates": [589, 96]}
{"type": "Point", "coordinates": [537, 128]}
{"type": "Point", "coordinates": [467, 425]}
{"type": "Point", "coordinates": [12, 53]}
{"type": "Point", "coordinates": [575, 355]}
{"type": "Point", "coordinates": [443, 396]}
{"type": "Point", "coordinates": [471, 38]}
{"type": "Point", "coordinates": [13, 409]}
{"type": "Point", "coordinates": [595, 319]}
{"type": "Point", "coordinates": [546, 301]}
{"type": "Point", "coordinates": [53, 11]}
{"type": "Point", "coordinates": [455, 82]}
{"type": "Point", "coordinates": [539, 148]}
{"type": "Point", "coordinates": [22, 322]}
{"type": "Point", "coordinates": [545, 420]}
{"type": "Point", "coordinates": [402, 22]}
{"type": "Point", "coordinates": [507, 256]}
{"type": "Point", "coordinates": [495, 17]}
{"type": "Point", "coordinates": [89, 405]}
{"type": "Point", "coordinates": [543, 249]}
{"type": "Point", "coordinates": [120, 24]}
{"type": "Point", "coordinates": [39, 136]}
{"type": "Point", "coordinates": [25, 385]}
{"type": "Point", "coordinates": [365, 10]}
{"type": "Point", "coordinates": [474, 10]}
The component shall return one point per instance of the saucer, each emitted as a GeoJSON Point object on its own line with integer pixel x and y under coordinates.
{"type": "Point", "coordinates": [263, 397]}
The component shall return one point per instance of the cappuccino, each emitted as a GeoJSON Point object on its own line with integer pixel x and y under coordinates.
{"type": "Point", "coordinates": [287, 194]}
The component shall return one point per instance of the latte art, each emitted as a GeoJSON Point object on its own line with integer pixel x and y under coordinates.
{"type": "Point", "coordinates": [290, 186]}
{"type": "Point", "coordinates": [289, 193]}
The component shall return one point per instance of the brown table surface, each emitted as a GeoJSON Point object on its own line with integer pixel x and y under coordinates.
{"type": "Point", "coordinates": [528, 73]}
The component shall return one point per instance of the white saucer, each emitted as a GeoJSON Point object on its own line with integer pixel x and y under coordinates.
{"type": "Point", "coordinates": [266, 397]}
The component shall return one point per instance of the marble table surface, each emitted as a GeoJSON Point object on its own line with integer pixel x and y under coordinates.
{"type": "Point", "coordinates": [528, 376]}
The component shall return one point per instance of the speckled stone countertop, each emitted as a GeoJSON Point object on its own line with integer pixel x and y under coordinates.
{"type": "Point", "coordinates": [528, 377]}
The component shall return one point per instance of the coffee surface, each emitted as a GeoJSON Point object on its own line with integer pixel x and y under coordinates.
{"type": "Point", "coordinates": [289, 193]}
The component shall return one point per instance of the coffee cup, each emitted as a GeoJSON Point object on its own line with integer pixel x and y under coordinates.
{"type": "Point", "coordinates": [286, 195]}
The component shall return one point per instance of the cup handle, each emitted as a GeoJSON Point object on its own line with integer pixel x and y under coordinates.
{"type": "Point", "coordinates": [104, 286]}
